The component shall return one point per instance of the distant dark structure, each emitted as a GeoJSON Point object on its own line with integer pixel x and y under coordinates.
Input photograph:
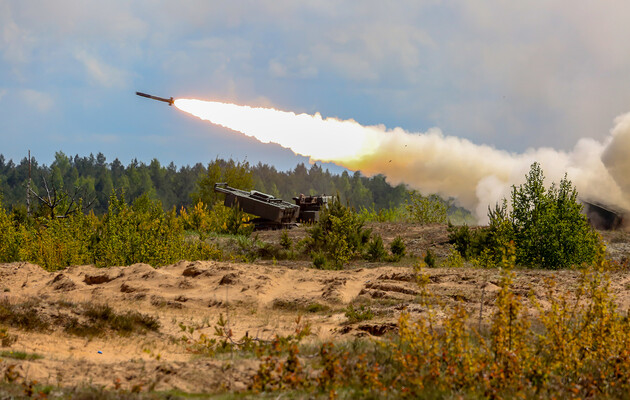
{"type": "Point", "coordinates": [604, 217]}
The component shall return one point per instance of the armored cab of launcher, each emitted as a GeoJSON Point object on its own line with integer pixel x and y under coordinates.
{"type": "Point", "coordinates": [311, 206]}
{"type": "Point", "coordinates": [605, 217]}
{"type": "Point", "coordinates": [274, 213]}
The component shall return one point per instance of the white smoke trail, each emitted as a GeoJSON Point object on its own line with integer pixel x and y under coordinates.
{"type": "Point", "coordinates": [477, 175]}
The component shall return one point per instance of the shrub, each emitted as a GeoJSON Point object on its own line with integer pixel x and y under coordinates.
{"type": "Point", "coordinates": [429, 259]}
{"type": "Point", "coordinates": [319, 260]}
{"type": "Point", "coordinates": [198, 219]}
{"type": "Point", "coordinates": [362, 313]}
{"type": "Point", "coordinates": [427, 209]}
{"type": "Point", "coordinates": [339, 233]}
{"type": "Point", "coordinates": [375, 249]}
{"type": "Point", "coordinates": [140, 233]}
{"type": "Point", "coordinates": [454, 260]}
{"type": "Point", "coordinates": [60, 242]}
{"type": "Point", "coordinates": [285, 240]}
{"type": "Point", "coordinates": [398, 248]}
{"type": "Point", "coordinates": [547, 227]}
{"type": "Point", "coordinates": [9, 237]}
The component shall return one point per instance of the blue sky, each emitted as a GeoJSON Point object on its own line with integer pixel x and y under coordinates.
{"type": "Point", "coordinates": [513, 75]}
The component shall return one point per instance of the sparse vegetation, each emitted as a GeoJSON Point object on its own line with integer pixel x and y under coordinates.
{"type": "Point", "coordinates": [362, 313]}
{"type": "Point", "coordinates": [84, 319]}
{"type": "Point", "coordinates": [19, 355]}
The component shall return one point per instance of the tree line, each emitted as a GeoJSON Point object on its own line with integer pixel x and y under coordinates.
{"type": "Point", "coordinates": [93, 179]}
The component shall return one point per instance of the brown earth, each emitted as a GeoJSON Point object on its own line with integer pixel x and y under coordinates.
{"type": "Point", "coordinates": [259, 299]}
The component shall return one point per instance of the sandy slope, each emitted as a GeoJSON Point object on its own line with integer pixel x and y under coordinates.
{"type": "Point", "coordinates": [259, 299]}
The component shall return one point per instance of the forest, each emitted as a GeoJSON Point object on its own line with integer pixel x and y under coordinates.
{"type": "Point", "coordinates": [93, 179]}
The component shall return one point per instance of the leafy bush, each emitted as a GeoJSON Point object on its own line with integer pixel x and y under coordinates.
{"type": "Point", "coordinates": [398, 248]}
{"type": "Point", "coordinates": [453, 260]}
{"type": "Point", "coordinates": [198, 219]}
{"type": "Point", "coordinates": [319, 260]}
{"type": "Point", "coordinates": [285, 240]}
{"type": "Point", "coordinates": [429, 259]}
{"type": "Point", "coordinates": [339, 234]}
{"type": "Point", "coordinates": [362, 313]}
{"type": "Point", "coordinates": [11, 236]}
{"type": "Point", "coordinates": [549, 229]}
{"type": "Point", "coordinates": [427, 209]}
{"type": "Point", "coordinates": [140, 233]}
{"type": "Point", "coordinates": [375, 249]}
{"type": "Point", "coordinates": [59, 242]}
{"type": "Point", "coordinates": [397, 214]}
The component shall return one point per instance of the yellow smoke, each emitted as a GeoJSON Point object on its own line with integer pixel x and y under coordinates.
{"type": "Point", "coordinates": [477, 175]}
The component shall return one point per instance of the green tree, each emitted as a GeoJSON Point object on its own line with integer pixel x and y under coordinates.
{"type": "Point", "coordinates": [339, 233]}
{"type": "Point", "coordinates": [549, 229]}
{"type": "Point", "coordinates": [235, 174]}
{"type": "Point", "coordinates": [427, 209]}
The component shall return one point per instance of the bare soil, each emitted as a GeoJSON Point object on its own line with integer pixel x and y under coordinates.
{"type": "Point", "coordinates": [259, 299]}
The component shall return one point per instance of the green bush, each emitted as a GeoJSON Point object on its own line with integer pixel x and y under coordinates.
{"type": "Point", "coordinates": [429, 259]}
{"type": "Point", "coordinates": [339, 233]}
{"type": "Point", "coordinates": [10, 237]}
{"type": "Point", "coordinates": [55, 243]}
{"type": "Point", "coordinates": [362, 313]}
{"type": "Point", "coordinates": [375, 249]}
{"type": "Point", "coordinates": [319, 260]}
{"type": "Point", "coordinates": [549, 229]}
{"type": "Point", "coordinates": [427, 209]}
{"type": "Point", "coordinates": [398, 248]}
{"type": "Point", "coordinates": [140, 233]}
{"type": "Point", "coordinates": [285, 240]}
{"type": "Point", "coordinates": [546, 226]}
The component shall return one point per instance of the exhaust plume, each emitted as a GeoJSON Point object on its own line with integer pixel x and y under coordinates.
{"type": "Point", "coordinates": [477, 175]}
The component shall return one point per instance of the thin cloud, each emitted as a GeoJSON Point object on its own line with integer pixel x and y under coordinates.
{"type": "Point", "coordinates": [101, 73]}
{"type": "Point", "coordinates": [41, 101]}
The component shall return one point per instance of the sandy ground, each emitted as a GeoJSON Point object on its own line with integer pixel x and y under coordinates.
{"type": "Point", "coordinates": [260, 299]}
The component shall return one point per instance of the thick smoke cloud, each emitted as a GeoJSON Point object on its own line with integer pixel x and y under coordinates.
{"type": "Point", "coordinates": [616, 156]}
{"type": "Point", "coordinates": [477, 176]}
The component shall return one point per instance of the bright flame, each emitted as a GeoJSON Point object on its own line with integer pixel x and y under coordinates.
{"type": "Point", "coordinates": [309, 135]}
{"type": "Point", "coordinates": [476, 175]}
